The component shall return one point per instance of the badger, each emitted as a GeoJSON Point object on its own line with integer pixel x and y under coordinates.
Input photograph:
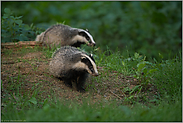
{"type": "Point", "coordinates": [63, 35]}
{"type": "Point", "coordinates": [72, 65]}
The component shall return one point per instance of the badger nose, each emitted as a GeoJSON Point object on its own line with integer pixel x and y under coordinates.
{"type": "Point", "coordinates": [93, 44]}
{"type": "Point", "coordinates": [95, 74]}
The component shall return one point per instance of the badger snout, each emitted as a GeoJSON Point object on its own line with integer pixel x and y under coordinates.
{"type": "Point", "coordinates": [91, 44]}
{"type": "Point", "coordinates": [95, 74]}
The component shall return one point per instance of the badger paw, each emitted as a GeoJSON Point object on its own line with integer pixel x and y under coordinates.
{"type": "Point", "coordinates": [68, 84]}
{"type": "Point", "coordinates": [82, 90]}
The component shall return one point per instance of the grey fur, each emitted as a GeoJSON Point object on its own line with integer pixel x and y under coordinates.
{"type": "Point", "coordinates": [63, 35]}
{"type": "Point", "coordinates": [64, 65]}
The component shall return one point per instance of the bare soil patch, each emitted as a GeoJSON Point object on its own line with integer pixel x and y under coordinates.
{"type": "Point", "coordinates": [30, 71]}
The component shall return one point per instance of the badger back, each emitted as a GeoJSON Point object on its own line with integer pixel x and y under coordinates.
{"type": "Point", "coordinates": [58, 35]}
{"type": "Point", "coordinates": [63, 35]}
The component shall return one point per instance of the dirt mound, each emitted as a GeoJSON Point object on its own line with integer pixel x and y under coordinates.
{"type": "Point", "coordinates": [29, 71]}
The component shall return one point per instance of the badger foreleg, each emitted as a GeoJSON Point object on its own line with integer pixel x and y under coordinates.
{"type": "Point", "coordinates": [81, 81]}
{"type": "Point", "coordinates": [67, 82]}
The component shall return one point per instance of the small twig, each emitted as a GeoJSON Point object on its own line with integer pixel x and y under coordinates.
{"type": "Point", "coordinates": [19, 44]}
{"type": "Point", "coordinates": [115, 95]}
{"type": "Point", "coordinates": [11, 62]}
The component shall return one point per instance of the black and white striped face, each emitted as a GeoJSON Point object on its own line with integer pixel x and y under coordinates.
{"type": "Point", "coordinates": [88, 64]}
{"type": "Point", "coordinates": [87, 36]}
{"type": "Point", "coordinates": [83, 37]}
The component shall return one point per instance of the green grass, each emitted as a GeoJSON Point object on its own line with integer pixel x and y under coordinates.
{"type": "Point", "coordinates": [169, 79]}
{"type": "Point", "coordinates": [21, 105]}
{"type": "Point", "coordinates": [61, 111]}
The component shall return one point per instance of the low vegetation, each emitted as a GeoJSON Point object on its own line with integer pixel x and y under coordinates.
{"type": "Point", "coordinates": [138, 57]}
{"type": "Point", "coordinates": [128, 89]}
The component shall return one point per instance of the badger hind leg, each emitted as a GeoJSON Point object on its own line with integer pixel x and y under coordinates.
{"type": "Point", "coordinates": [81, 82]}
{"type": "Point", "coordinates": [40, 37]}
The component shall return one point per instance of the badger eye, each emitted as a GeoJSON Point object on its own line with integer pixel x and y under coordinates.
{"type": "Point", "coordinates": [87, 38]}
{"type": "Point", "coordinates": [92, 70]}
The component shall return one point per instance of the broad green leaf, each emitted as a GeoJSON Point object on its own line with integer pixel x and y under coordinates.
{"type": "Point", "coordinates": [18, 22]}
{"type": "Point", "coordinates": [5, 16]}
{"type": "Point", "coordinates": [12, 17]}
{"type": "Point", "coordinates": [123, 63]}
{"type": "Point", "coordinates": [7, 10]}
{"type": "Point", "coordinates": [136, 55]}
{"type": "Point", "coordinates": [141, 65]}
{"type": "Point", "coordinates": [145, 71]}
{"type": "Point", "coordinates": [23, 37]}
{"type": "Point", "coordinates": [161, 56]}
{"type": "Point", "coordinates": [152, 71]}
{"type": "Point", "coordinates": [18, 17]}
{"type": "Point", "coordinates": [33, 100]}
{"type": "Point", "coordinates": [26, 27]}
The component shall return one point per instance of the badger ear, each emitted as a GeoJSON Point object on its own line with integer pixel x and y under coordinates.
{"type": "Point", "coordinates": [91, 55]}
{"type": "Point", "coordinates": [87, 30]}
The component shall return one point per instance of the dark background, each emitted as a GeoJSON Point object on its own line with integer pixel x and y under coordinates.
{"type": "Point", "coordinates": [148, 28]}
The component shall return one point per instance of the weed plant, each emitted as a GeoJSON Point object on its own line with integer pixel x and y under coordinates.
{"type": "Point", "coordinates": [13, 28]}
